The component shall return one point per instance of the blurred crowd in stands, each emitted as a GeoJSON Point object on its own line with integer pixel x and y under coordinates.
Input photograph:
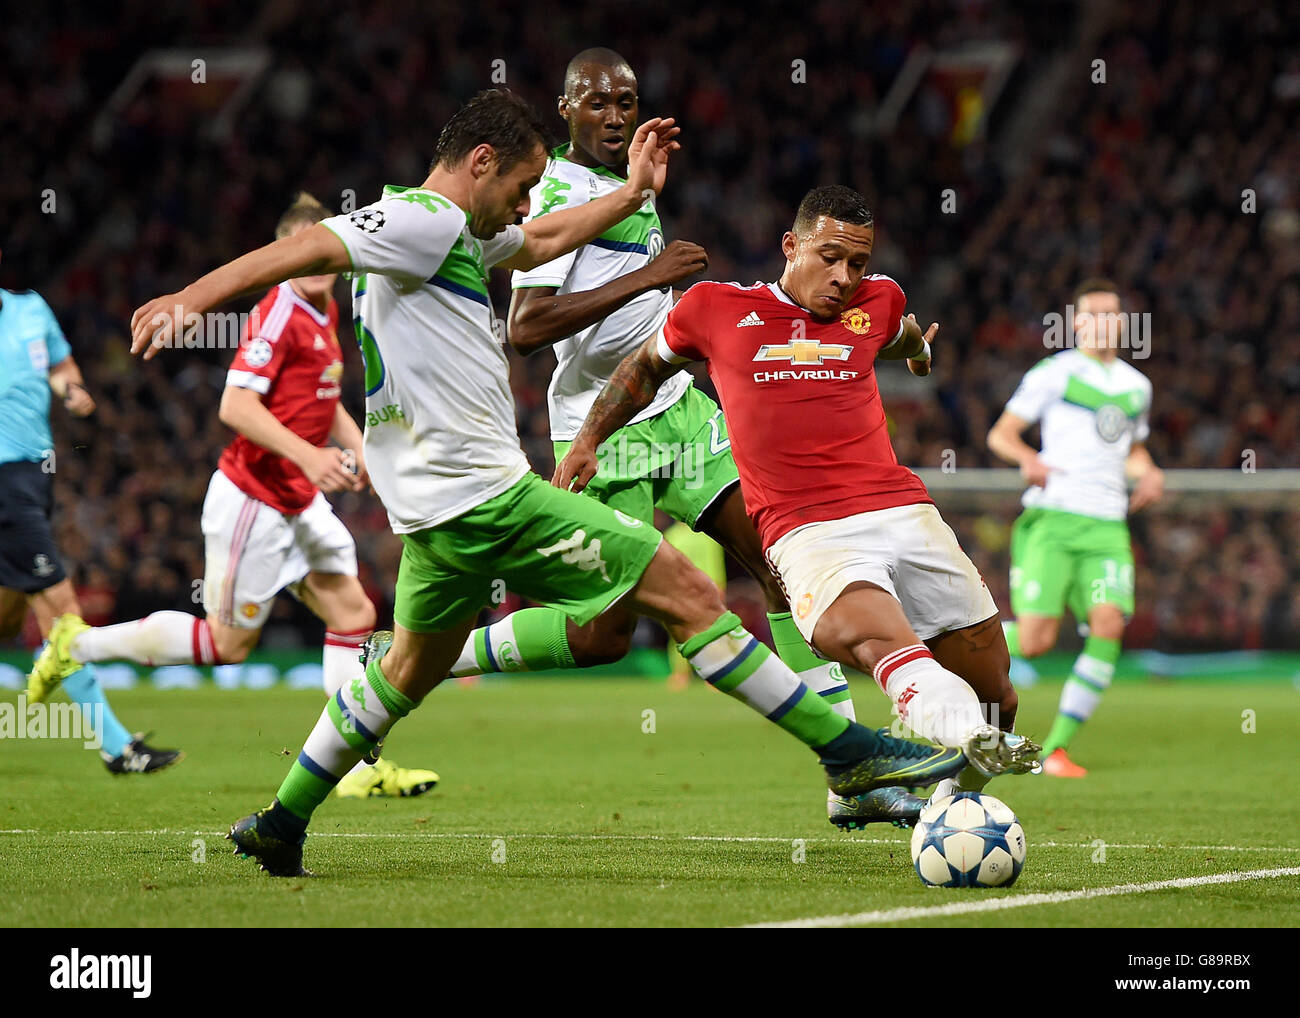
{"type": "Point", "coordinates": [1178, 176]}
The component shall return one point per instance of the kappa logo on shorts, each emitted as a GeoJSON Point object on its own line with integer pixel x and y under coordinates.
{"type": "Point", "coordinates": [573, 553]}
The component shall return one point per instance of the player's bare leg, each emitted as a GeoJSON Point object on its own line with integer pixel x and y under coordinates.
{"type": "Point", "coordinates": [232, 644]}
{"type": "Point", "coordinates": [418, 662]}
{"type": "Point", "coordinates": [50, 603]}
{"type": "Point", "coordinates": [1037, 634]}
{"type": "Point", "coordinates": [865, 628]}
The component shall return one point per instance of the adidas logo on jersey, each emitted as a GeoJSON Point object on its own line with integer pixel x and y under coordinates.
{"type": "Point", "coordinates": [319, 344]}
{"type": "Point", "coordinates": [750, 319]}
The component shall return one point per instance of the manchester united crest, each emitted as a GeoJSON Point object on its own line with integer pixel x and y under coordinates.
{"type": "Point", "coordinates": [856, 320]}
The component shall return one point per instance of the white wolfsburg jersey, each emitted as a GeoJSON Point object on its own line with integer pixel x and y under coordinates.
{"type": "Point", "coordinates": [588, 357]}
{"type": "Point", "coordinates": [1092, 413]}
{"type": "Point", "coordinates": [440, 419]}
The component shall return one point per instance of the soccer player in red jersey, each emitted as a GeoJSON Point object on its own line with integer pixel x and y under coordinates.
{"type": "Point", "coordinates": [877, 580]}
{"type": "Point", "coordinates": [266, 523]}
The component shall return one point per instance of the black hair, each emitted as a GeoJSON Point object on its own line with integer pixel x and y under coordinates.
{"type": "Point", "coordinates": [835, 201]}
{"type": "Point", "coordinates": [496, 117]}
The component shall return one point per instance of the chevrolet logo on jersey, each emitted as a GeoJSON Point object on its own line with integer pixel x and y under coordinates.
{"type": "Point", "coordinates": [804, 351]}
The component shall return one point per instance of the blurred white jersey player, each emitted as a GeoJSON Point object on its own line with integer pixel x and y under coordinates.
{"type": "Point", "coordinates": [267, 525]}
{"type": "Point", "coordinates": [1070, 546]}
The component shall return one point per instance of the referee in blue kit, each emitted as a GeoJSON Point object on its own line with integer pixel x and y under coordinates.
{"type": "Point", "coordinates": [35, 359]}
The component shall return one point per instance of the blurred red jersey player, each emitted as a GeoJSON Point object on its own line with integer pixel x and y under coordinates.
{"type": "Point", "coordinates": [267, 525]}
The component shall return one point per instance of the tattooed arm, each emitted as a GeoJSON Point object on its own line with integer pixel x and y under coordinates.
{"type": "Point", "coordinates": [629, 390]}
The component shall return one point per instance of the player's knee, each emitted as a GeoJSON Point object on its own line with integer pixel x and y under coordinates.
{"type": "Point", "coordinates": [1107, 623]}
{"type": "Point", "coordinates": [232, 645]}
{"type": "Point", "coordinates": [1036, 642]}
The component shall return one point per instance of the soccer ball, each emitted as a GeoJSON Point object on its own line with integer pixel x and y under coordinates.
{"type": "Point", "coordinates": [968, 840]}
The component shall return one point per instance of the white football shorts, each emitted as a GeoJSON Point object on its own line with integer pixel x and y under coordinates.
{"type": "Point", "coordinates": [253, 551]}
{"type": "Point", "coordinates": [906, 550]}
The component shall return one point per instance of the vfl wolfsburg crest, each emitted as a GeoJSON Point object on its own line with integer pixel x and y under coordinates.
{"type": "Point", "coordinates": [654, 244]}
{"type": "Point", "coordinates": [1112, 422]}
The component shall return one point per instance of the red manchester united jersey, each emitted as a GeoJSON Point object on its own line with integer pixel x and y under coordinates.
{"type": "Point", "coordinates": [803, 411]}
{"type": "Point", "coordinates": [290, 355]}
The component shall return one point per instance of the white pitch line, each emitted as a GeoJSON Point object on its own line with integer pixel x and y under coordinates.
{"type": "Point", "coordinates": [720, 838]}
{"type": "Point", "coordinates": [894, 915]}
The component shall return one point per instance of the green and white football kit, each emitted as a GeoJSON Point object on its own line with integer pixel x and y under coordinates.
{"type": "Point", "coordinates": [441, 442]}
{"type": "Point", "coordinates": [1070, 547]}
{"type": "Point", "coordinates": [674, 455]}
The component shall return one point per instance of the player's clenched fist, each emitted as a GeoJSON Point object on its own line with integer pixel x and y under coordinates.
{"type": "Point", "coordinates": [577, 468]}
{"type": "Point", "coordinates": [331, 469]}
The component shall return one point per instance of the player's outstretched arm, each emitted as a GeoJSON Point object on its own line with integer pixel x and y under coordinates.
{"type": "Point", "coordinates": [540, 316]}
{"type": "Point", "coordinates": [1140, 467]}
{"type": "Point", "coordinates": [558, 233]}
{"type": "Point", "coordinates": [66, 383]}
{"type": "Point", "coordinates": [629, 390]}
{"type": "Point", "coordinates": [311, 252]}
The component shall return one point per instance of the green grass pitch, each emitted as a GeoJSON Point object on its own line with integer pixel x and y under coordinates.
{"type": "Point", "coordinates": [559, 806]}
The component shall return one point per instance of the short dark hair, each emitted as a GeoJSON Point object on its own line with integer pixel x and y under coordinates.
{"type": "Point", "coordinates": [835, 201]}
{"type": "Point", "coordinates": [599, 56]}
{"type": "Point", "coordinates": [496, 117]}
{"type": "Point", "coordinates": [1094, 285]}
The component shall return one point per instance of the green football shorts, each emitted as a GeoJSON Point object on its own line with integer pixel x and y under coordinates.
{"type": "Point", "coordinates": [552, 546]}
{"type": "Point", "coordinates": [678, 461]}
{"type": "Point", "coordinates": [1060, 559]}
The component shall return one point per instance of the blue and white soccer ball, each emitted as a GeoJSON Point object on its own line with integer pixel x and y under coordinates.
{"type": "Point", "coordinates": [968, 840]}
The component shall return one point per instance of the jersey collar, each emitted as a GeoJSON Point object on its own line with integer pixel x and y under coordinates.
{"type": "Point", "coordinates": [321, 319]}
{"type": "Point", "coordinates": [562, 152]}
{"type": "Point", "coordinates": [782, 296]}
